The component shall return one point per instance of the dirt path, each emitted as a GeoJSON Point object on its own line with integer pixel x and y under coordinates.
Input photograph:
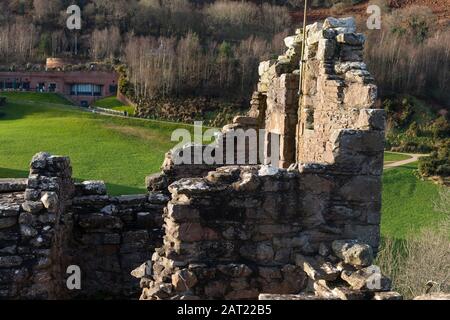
{"type": "Point", "coordinates": [413, 158]}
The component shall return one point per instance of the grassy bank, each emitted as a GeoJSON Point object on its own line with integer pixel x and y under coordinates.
{"type": "Point", "coordinates": [393, 157]}
{"type": "Point", "coordinates": [120, 151]}
{"type": "Point", "coordinates": [114, 104]}
{"type": "Point", "coordinates": [408, 202]}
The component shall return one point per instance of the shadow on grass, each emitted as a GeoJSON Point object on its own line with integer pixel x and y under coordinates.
{"type": "Point", "coordinates": [117, 190]}
{"type": "Point", "coordinates": [13, 173]}
{"type": "Point", "coordinates": [113, 189]}
{"type": "Point", "coordinates": [13, 110]}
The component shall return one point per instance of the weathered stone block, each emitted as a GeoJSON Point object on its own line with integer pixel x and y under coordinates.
{"type": "Point", "coordinates": [344, 293]}
{"type": "Point", "coordinates": [156, 182]}
{"type": "Point", "coordinates": [326, 49]}
{"type": "Point", "coordinates": [190, 231]}
{"type": "Point", "coordinates": [369, 189]}
{"type": "Point", "coordinates": [317, 270]}
{"type": "Point", "coordinates": [9, 210]}
{"type": "Point", "coordinates": [350, 53]}
{"type": "Point", "coordinates": [10, 261]}
{"type": "Point", "coordinates": [264, 252]}
{"type": "Point", "coordinates": [353, 39]}
{"type": "Point", "coordinates": [369, 234]}
{"type": "Point", "coordinates": [111, 238]}
{"type": "Point", "coordinates": [361, 96]}
{"type": "Point", "coordinates": [348, 23]}
{"type": "Point", "coordinates": [184, 280]}
{"type": "Point", "coordinates": [353, 252]}
{"type": "Point", "coordinates": [94, 188]}
{"type": "Point", "coordinates": [216, 289]}
{"type": "Point", "coordinates": [32, 206]}
{"type": "Point", "coordinates": [100, 222]}
{"type": "Point", "coordinates": [235, 270]}
{"type": "Point", "coordinates": [158, 198]}
{"type": "Point", "coordinates": [7, 222]}
{"type": "Point", "coordinates": [12, 185]}
{"type": "Point", "coordinates": [39, 160]}
{"type": "Point", "coordinates": [50, 200]}
{"type": "Point", "coordinates": [132, 199]}
{"type": "Point", "coordinates": [371, 119]}
{"type": "Point", "coordinates": [182, 212]}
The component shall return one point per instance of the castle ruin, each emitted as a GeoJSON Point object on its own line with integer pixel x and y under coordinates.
{"type": "Point", "coordinates": [309, 228]}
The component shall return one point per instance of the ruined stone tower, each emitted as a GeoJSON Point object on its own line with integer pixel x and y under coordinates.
{"type": "Point", "coordinates": [339, 95]}
{"type": "Point", "coordinates": [239, 231]}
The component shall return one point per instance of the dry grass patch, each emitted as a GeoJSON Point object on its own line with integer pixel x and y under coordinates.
{"type": "Point", "coordinates": [421, 263]}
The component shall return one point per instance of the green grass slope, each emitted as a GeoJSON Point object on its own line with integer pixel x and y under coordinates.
{"type": "Point", "coordinates": [120, 151]}
{"type": "Point", "coordinates": [408, 203]}
{"type": "Point", "coordinates": [394, 157]}
{"type": "Point", "coordinates": [35, 97]}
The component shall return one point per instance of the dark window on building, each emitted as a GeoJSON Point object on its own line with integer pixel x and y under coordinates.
{"type": "Point", "coordinates": [113, 89]}
{"type": "Point", "coordinates": [86, 90]}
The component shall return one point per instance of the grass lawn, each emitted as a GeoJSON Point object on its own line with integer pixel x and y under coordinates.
{"type": "Point", "coordinates": [394, 157]}
{"type": "Point", "coordinates": [114, 104]}
{"type": "Point", "coordinates": [35, 97]}
{"type": "Point", "coordinates": [120, 151]}
{"type": "Point", "coordinates": [408, 203]}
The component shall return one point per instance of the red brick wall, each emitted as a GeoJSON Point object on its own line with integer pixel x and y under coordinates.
{"type": "Point", "coordinates": [64, 80]}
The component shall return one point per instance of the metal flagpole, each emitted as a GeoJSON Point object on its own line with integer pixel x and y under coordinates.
{"type": "Point", "coordinates": [76, 43]}
{"type": "Point", "coordinates": [302, 73]}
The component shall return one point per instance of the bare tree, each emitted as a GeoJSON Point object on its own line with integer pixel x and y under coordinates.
{"type": "Point", "coordinates": [105, 43]}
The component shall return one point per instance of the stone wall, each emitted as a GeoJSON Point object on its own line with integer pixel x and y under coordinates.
{"type": "Point", "coordinates": [338, 95]}
{"type": "Point", "coordinates": [112, 236]}
{"type": "Point", "coordinates": [338, 91]}
{"type": "Point", "coordinates": [237, 232]}
{"type": "Point", "coordinates": [32, 231]}
{"type": "Point", "coordinates": [258, 219]}
{"type": "Point", "coordinates": [48, 222]}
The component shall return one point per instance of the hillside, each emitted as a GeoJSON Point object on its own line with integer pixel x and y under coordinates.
{"type": "Point", "coordinates": [441, 8]}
